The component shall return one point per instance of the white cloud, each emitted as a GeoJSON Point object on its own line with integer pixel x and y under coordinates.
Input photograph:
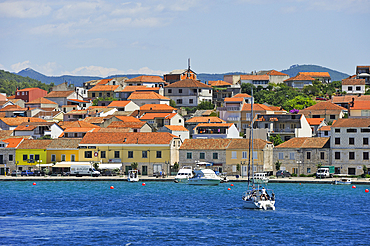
{"type": "Point", "coordinates": [92, 43]}
{"type": "Point", "coordinates": [352, 6]}
{"type": "Point", "coordinates": [24, 9]}
{"type": "Point", "coordinates": [20, 66]}
{"type": "Point", "coordinates": [105, 72]}
{"type": "Point", "coordinates": [145, 70]}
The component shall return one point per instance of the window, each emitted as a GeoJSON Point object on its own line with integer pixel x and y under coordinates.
{"type": "Point", "coordinates": [365, 141]}
{"type": "Point", "coordinates": [10, 157]}
{"type": "Point", "coordinates": [116, 154]}
{"type": "Point", "coordinates": [169, 91]}
{"type": "Point", "coordinates": [108, 94]}
{"type": "Point", "coordinates": [358, 88]}
{"type": "Point", "coordinates": [103, 154]}
{"type": "Point", "coordinates": [266, 125]}
{"type": "Point", "coordinates": [322, 155]}
{"type": "Point", "coordinates": [337, 130]}
{"type": "Point", "coordinates": [352, 130]}
{"type": "Point", "coordinates": [244, 155]}
{"type": "Point", "coordinates": [349, 88]}
{"type": "Point", "coordinates": [73, 158]}
{"type": "Point", "coordinates": [332, 117]}
{"type": "Point", "coordinates": [179, 101]}
{"type": "Point", "coordinates": [53, 158]}
{"type": "Point", "coordinates": [189, 155]}
{"type": "Point", "coordinates": [281, 156]}
{"type": "Point", "coordinates": [291, 156]}
{"type": "Point", "coordinates": [281, 126]}
{"type": "Point", "coordinates": [365, 130]}
{"type": "Point", "coordinates": [351, 141]}
{"type": "Point", "coordinates": [255, 156]}
{"type": "Point", "coordinates": [351, 155]}
{"type": "Point", "coordinates": [337, 155]}
{"type": "Point", "coordinates": [180, 90]}
{"type": "Point", "coordinates": [63, 157]}
{"type": "Point", "coordinates": [337, 140]}
{"type": "Point", "coordinates": [93, 94]}
{"type": "Point", "coordinates": [191, 101]}
{"type": "Point", "coordinates": [100, 94]}
{"type": "Point", "coordinates": [365, 155]}
{"type": "Point", "coordinates": [308, 170]}
{"type": "Point", "coordinates": [326, 133]}
{"type": "Point", "coordinates": [159, 154]}
{"type": "Point", "coordinates": [130, 154]}
{"type": "Point", "coordinates": [88, 154]}
{"type": "Point", "coordinates": [233, 155]}
{"type": "Point", "coordinates": [144, 154]}
{"type": "Point", "coordinates": [308, 155]}
{"type": "Point", "coordinates": [202, 155]}
{"type": "Point", "coordinates": [215, 155]}
{"type": "Point", "coordinates": [37, 157]}
{"type": "Point", "coordinates": [32, 157]}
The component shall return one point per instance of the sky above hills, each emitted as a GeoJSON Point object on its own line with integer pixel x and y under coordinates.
{"type": "Point", "coordinates": [102, 38]}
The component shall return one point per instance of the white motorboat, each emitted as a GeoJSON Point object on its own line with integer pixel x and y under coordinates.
{"type": "Point", "coordinates": [133, 176]}
{"type": "Point", "coordinates": [260, 178]}
{"type": "Point", "coordinates": [184, 174]}
{"type": "Point", "coordinates": [224, 178]}
{"type": "Point", "coordinates": [343, 181]}
{"type": "Point", "coordinates": [204, 176]}
{"type": "Point", "coordinates": [256, 197]}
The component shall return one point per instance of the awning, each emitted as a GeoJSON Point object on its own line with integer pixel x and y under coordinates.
{"type": "Point", "coordinates": [61, 165]}
{"type": "Point", "coordinates": [110, 166]}
{"type": "Point", "coordinates": [45, 165]}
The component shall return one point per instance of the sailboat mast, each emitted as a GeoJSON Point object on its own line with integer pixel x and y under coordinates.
{"type": "Point", "coordinates": [251, 135]}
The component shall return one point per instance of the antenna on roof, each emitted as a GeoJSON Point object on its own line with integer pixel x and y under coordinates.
{"type": "Point", "coordinates": [188, 63]}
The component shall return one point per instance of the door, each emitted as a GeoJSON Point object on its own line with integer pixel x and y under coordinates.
{"type": "Point", "coordinates": [1, 159]}
{"type": "Point", "coordinates": [144, 170]}
{"type": "Point", "coordinates": [127, 168]}
{"type": "Point", "coordinates": [157, 168]}
{"type": "Point", "coordinates": [351, 171]}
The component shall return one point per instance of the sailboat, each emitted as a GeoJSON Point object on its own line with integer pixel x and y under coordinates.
{"type": "Point", "coordinates": [256, 196]}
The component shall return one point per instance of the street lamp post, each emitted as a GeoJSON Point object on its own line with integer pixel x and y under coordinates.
{"type": "Point", "coordinates": [299, 167]}
{"type": "Point", "coordinates": [168, 169]}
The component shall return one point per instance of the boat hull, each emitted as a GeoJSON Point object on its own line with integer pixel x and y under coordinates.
{"type": "Point", "coordinates": [182, 181]}
{"type": "Point", "coordinates": [200, 181]}
{"type": "Point", "coordinates": [260, 181]}
{"type": "Point", "coordinates": [265, 205]}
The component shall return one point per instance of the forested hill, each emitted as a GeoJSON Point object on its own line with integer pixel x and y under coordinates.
{"type": "Point", "coordinates": [9, 82]}
{"type": "Point", "coordinates": [334, 75]}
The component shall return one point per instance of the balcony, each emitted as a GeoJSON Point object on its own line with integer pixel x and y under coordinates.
{"type": "Point", "coordinates": [233, 119]}
{"type": "Point", "coordinates": [229, 108]}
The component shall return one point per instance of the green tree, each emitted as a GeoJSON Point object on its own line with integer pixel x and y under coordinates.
{"type": "Point", "coordinates": [205, 105]}
{"type": "Point", "coordinates": [96, 100]}
{"type": "Point", "coordinates": [176, 166]}
{"type": "Point", "coordinates": [134, 165]}
{"type": "Point", "coordinates": [173, 104]}
{"type": "Point", "coordinates": [276, 140]}
{"type": "Point", "coordinates": [299, 102]}
{"type": "Point", "coordinates": [364, 168]}
{"type": "Point", "coordinates": [277, 165]}
{"type": "Point", "coordinates": [96, 165]}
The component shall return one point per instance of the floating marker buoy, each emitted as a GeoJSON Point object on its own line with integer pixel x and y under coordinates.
{"type": "Point", "coordinates": [354, 186]}
{"type": "Point", "coordinates": [367, 190]}
{"type": "Point", "coordinates": [228, 188]}
{"type": "Point", "coordinates": [232, 185]}
{"type": "Point", "coordinates": [112, 187]}
{"type": "Point", "coordinates": [34, 184]}
{"type": "Point", "coordinates": [143, 184]}
{"type": "Point", "coordinates": [299, 183]}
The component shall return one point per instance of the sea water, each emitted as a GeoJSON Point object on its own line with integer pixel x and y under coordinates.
{"type": "Point", "coordinates": [166, 213]}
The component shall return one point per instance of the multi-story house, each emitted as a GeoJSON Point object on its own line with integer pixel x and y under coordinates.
{"type": "Point", "coordinates": [191, 123]}
{"type": "Point", "coordinates": [62, 97]}
{"type": "Point", "coordinates": [188, 92]}
{"type": "Point", "coordinates": [146, 80]}
{"type": "Point", "coordinates": [30, 94]}
{"type": "Point", "coordinates": [256, 80]}
{"type": "Point", "coordinates": [353, 86]}
{"type": "Point", "coordinates": [302, 155]}
{"type": "Point", "coordinates": [38, 129]}
{"type": "Point", "coordinates": [324, 132]}
{"type": "Point", "coordinates": [179, 131]}
{"type": "Point", "coordinates": [153, 151]}
{"type": "Point", "coordinates": [63, 150]}
{"type": "Point", "coordinates": [222, 90]}
{"type": "Point", "coordinates": [158, 120]}
{"type": "Point", "coordinates": [180, 74]}
{"type": "Point", "coordinates": [41, 103]}
{"type": "Point", "coordinates": [323, 77]}
{"type": "Point", "coordinates": [124, 105]}
{"type": "Point", "coordinates": [11, 123]}
{"type": "Point", "coordinates": [286, 125]}
{"type": "Point", "coordinates": [30, 153]}
{"type": "Point", "coordinates": [363, 72]}
{"type": "Point", "coordinates": [316, 124]}
{"type": "Point", "coordinates": [359, 109]}
{"type": "Point", "coordinates": [327, 110]}
{"type": "Point", "coordinates": [125, 93]}
{"type": "Point", "coordinates": [141, 98]}
{"type": "Point", "coordinates": [215, 130]}
{"type": "Point", "coordinates": [277, 77]}
{"type": "Point", "coordinates": [350, 145]}
{"type": "Point", "coordinates": [103, 91]}
{"type": "Point", "coordinates": [7, 154]}
{"type": "Point", "coordinates": [299, 81]}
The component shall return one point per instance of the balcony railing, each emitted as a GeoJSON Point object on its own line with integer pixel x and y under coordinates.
{"type": "Point", "coordinates": [229, 108]}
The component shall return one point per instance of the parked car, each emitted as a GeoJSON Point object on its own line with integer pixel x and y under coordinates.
{"type": "Point", "coordinates": [27, 173]}
{"type": "Point", "coordinates": [283, 174]}
{"type": "Point", "coordinates": [321, 98]}
{"type": "Point", "coordinates": [38, 173]}
{"type": "Point", "coordinates": [16, 173]}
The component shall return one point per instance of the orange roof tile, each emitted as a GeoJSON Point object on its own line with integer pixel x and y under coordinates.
{"type": "Point", "coordinates": [316, 74]}
{"type": "Point", "coordinates": [352, 122]}
{"type": "Point", "coordinates": [10, 121]}
{"type": "Point", "coordinates": [300, 77]}
{"type": "Point", "coordinates": [146, 95]}
{"type": "Point", "coordinates": [324, 128]}
{"type": "Point", "coordinates": [305, 142]}
{"type": "Point", "coordinates": [67, 124]}
{"type": "Point", "coordinates": [244, 95]}
{"type": "Point", "coordinates": [254, 77]}
{"type": "Point", "coordinates": [80, 129]}
{"type": "Point", "coordinates": [234, 99]}
{"type": "Point", "coordinates": [200, 144]}
{"type": "Point", "coordinates": [121, 129]}
{"type": "Point", "coordinates": [243, 143]}
{"type": "Point", "coordinates": [276, 73]}
{"type": "Point", "coordinates": [13, 142]}
{"type": "Point", "coordinates": [104, 88]}
{"type": "Point", "coordinates": [228, 125]}
{"type": "Point", "coordinates": [103, 81]}
{"type": "Point", "coordinates": [324, 106]}
{"type": "Point", "coordinates": [188, 83]}
{"type": "Point", "coordinates": [146, 78]}
{"type": "Point", "coordinates": [151, 116]}
{"type": "Point", "coordinates": [128, 138]}
{"type": "Point", "coordinates": [353, 81]}
{"type": "Point", "coordinates": [177, 128]}
{"type": "Point", "coordinates": [59, 94]}
{"type": "Point", "coordinates": [256, 107]}
{"type": "Point", "coordinates": [11, 108]}
{"type": "Point", "coordinates": [157, 107]}
{"type": "Point", "coordinates": [31, 89]}
{"type": "Point", "coordinates": [118, 104]}
{"type": "Point", "coordinates": [41, 100]}
{"type": "Point", "coordinates": [132, 88]}
{"type": "Point", "coordinates": [205, 120]}
{"type": "Point", "coordinates": [96, 120]}
{"type": "Point", "coordinates": [127, 118]}
{"type": "Point", "coordinates": [127, 124]}
{"type": "Point", "coordinates": [361, 105]}
{"type": "Point", "coordinates": [315, 121]}
{"type": "Point", "coordinates": [34, 144]}
{"type": "Point", "coordinates": [218, 83]}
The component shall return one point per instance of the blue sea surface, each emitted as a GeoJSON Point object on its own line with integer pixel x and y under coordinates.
{"type": "Point", "coordinates": [166, 213]}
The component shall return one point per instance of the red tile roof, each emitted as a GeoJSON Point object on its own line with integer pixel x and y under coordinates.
{"type": "Point", "coordinates": [144, 95]}
{"type": "Point", "coordinates": [218, 83]}
{"type": "Point", "coordinates": [324, 128]}
{"type": "Point", "coordinates": [132, 88]}
{"type": "Point", "coordinates": [353, 81]}
{"type": "Point", "coordinates": [127, 118]}
{"type": "Point", "coordinates": [10, 121]}
{"type": "Point", "coordinates": [157, 107]}
{"type": "Point", "coordinates": [147, 138]}
{"type": "Point", "coordinates": [41, 100]}
{"type": "Point", "coordinates": [244, 95]}
{"type": "Point", "coordinates": [200, 144]}
{"type": "Point", "coordinates": [13, 142]}
{"type": "Point", "coordinates": [316, 74]}
{"type": "Point", "coordinates": [254, 77]}
{"type": "Point", "coordinates": [31, 89]}
{"type": "Point", "coordinates": [104, 88]}
{"type": "Point", "coordinates": [63, 94]}
{"type": "Point", "coordinates": [151, 116]}
{"type": "Point", "coordinates": [324, 106]}
{"type": "Point", "coordinates": [188, 83]}
{"type": "Point", "coordinates": [315, 121]}
{"type": "Point", "coordinates": [67, 124]}
{"type": "Point", "coordinates": [305, 142]}
{"type": "Point", "coordinates": [177, 128]}
{"type": "Point", "coordinates": [80, 129]}
{"type": "Point", "coordinates": [300, 77]}
{"type": "Point", "coordinates": [352, 122]}
{"type": "Point", "coordinates": [276, 73]}
{"type": "Point", "coordinates": [234, 99]}
{"type": "Point", "coordinates": [228, 125]}
{"type": "Point", "coordinates": [103, 81]}
{"type": "Point", "coordinates": [118, 104]}
{"type": "Point", "coordinates": [361, 105]}
{"type": "Point", "coordinates": [243, 143]}
{"type": "Point", "coordinates": [127, 124]}
{"type": "Point", "coordinates": [146, 78]}
{"type": "Point", "coordinates": [94, 120]}
{"type": "Point", "coordinates": [34, 144]}
{"type": "Point", "coordinates": [11, 108]}
{"type": "Point", "coordinates": [211, 119]}
{"type": "Point", "coordinates": [256, 107]}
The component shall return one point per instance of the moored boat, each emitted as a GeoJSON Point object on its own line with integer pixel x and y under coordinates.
{"type": "Point", "coordinates": [133, 176]}
{"type": "Point", "coordinates": [184, 174]}
{"type": "Point", "coordinates": [260, 178]}
{"type": "Point", "coordinates": [343, 181]}
{"type": "Point", "coordinates": [204, 176]}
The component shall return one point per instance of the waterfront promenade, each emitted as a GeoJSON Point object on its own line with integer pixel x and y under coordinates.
{"type": "Point", "coordinates": [171, 179]}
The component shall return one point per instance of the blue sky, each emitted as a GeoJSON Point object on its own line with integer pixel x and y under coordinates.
{"type": "Point", "coordinates": [101, 38]}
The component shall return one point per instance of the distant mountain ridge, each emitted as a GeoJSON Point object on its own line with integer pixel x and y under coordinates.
{"type": "Point", "coordinates": [79, 80]}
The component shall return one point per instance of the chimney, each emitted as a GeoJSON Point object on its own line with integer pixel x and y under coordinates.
{"type": "Point", "coordinates": [124, 140]}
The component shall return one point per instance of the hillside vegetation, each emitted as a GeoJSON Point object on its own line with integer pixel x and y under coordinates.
{"type": "Point", "coordinates": [9, 83]}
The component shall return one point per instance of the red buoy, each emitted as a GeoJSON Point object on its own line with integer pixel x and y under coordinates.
{"type": "Point", "coordinates": [232, 185]}
{"type": "Point", "coordinates": [34, 183]}
{"type": "Point", "coordinates": [112, 187]}
{"type": "Point", "coordinates": [367, 190]}
{"type": "Point", "coordinates": [354, 186]}
{"type": "Point", "coordinates": [143, 184]}
{"type": "Point", "coordinates": [228, 188]}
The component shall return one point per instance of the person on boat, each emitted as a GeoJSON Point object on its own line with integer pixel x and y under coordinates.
{"type": "Point", "coordinates": [263, 193]}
